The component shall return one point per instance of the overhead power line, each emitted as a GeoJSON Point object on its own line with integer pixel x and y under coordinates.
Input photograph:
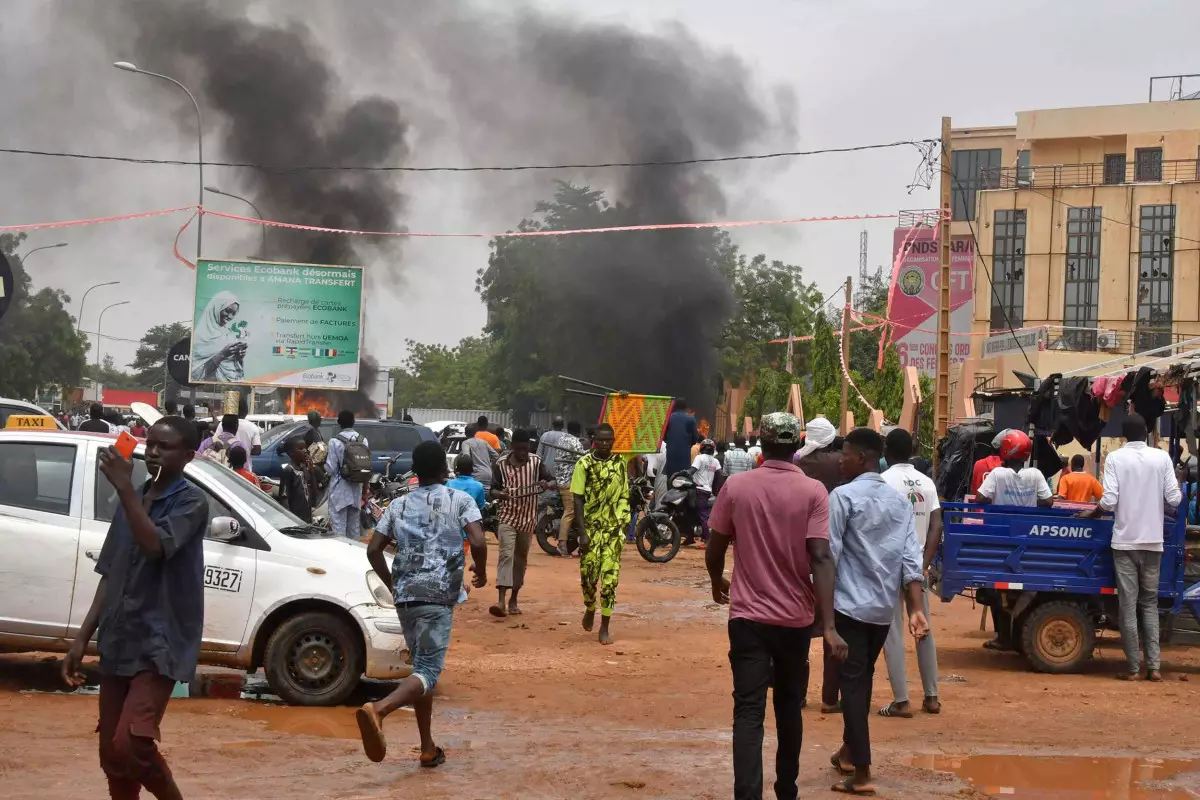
{"type": "Point", "coordinates": [513, 168]}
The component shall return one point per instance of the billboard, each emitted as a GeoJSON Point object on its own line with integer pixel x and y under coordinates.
{"type": "Point", "coordinates": [914, 297]}
{"type": "Point", "coordinates": [271, 324]}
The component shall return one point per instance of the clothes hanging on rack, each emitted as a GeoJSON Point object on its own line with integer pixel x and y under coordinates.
{"type": "Point", "coordinates": [1147, 401]}
{"type": "Point", "coordinates": [1186, 417]}
{"type": "Point", "coordinates": [1078, 413]}
{"type": "Point", "coordinates": [1043, 407]}
{"type": "Point", "coordinates": [1107, 389]}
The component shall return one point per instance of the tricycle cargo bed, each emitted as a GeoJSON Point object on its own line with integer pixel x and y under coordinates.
{"type": "Point", "coordinates": [1041, 550]}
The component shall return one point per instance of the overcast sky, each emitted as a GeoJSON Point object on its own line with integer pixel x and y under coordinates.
{"type": "Point", "coordinates": [861, 71]}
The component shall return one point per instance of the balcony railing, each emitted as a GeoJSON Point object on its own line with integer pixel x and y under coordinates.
{"type": "Point", "coordinates": [1055, 176]}
{"type": "Point", "coordinates": [1114, 342]}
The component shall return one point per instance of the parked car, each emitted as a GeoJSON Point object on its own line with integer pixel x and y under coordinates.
{"type": "Point", "coordinates": [279, 594]}
{"type": "Point", "coordinates": [9, 407]}
{"type": "Point", "coordinates": [388, 439]}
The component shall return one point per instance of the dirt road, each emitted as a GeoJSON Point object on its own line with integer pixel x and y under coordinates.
{"type": "Point", "coordinates": [533, 707]}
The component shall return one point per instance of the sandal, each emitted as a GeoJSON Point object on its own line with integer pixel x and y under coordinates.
{"type": "Point", "coordinates": [931, 705]}
{"type": "Point", "coordinates": [1154, 676]}
{"type": "Point", "coordinates": [497, 611]}
{"type": "Point", "coordinates": [897, 709]}
{"type": "Point", "coordinates": [836, 763]}
{"type": "Point", "coordinates": [439, 758]}
{"type": "Point", "coordinates": [1127, 676]}
{"type": "Point", "coordinates": [848, 787]}
{"type": "Point", "coordinates": [374, 745]}
{"type": "Point", "coordinates": [836, 708]}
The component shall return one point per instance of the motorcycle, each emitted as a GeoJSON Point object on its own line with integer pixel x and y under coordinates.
{"type": "Point", "coordinates": [659, 532]}
{"type": "Point", "coordinates": [550, 514]}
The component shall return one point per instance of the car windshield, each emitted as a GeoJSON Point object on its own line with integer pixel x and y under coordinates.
{"type": "Point", "coordinates": [278, 432]}
{"type": "Point", "coordinates": [275, 515]}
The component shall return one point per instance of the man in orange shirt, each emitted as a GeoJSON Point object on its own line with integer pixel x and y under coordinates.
{"type": "Point", "coordinates": [1078, 486]}
{"type": "Point", "coordinates": [485, 433]}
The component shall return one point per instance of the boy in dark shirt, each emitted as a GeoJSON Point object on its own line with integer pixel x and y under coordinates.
{"type": "Point", "coordinates": [149, 608]}
{"type": "Point", "coordinates": [296, 488]}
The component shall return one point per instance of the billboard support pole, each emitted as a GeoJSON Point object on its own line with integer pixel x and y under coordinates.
{"type": "Point", "coordinates": [846, 356]}
{"type": "Point", "coordinates": [942, 386]}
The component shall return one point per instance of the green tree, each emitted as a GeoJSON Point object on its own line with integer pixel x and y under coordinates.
{"type": "Point", "coordinates": [150, 361]}
{"type": "Point", "coordinates": [108, 376]}
{"type": "Point", "coordinates": [39, 346]}
{"type": "Point", "coordinates": [870, 298]}
{"type": "Point", "coordinates": [436, 376]}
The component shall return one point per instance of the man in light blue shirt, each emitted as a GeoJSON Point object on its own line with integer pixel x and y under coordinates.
{"type": "Point", "coordinates": [873, 537]}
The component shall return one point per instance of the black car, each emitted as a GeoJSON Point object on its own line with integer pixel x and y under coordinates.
{"type": "Point", "coordinates": [387, 438]}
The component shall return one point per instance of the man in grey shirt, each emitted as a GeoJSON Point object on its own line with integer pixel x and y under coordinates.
{"type": "Point", "coordinates": [482, 454]}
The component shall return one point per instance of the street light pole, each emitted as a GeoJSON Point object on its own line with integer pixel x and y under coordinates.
{"type": "Point", "coordinates": [79, 320]}
{"type": "Point", "coordinates": [100, 322]}
{"type": "Point", "coordinates": [257, 213]}
{"type": "Point", "coordinates": [125, 65]}
{"type": "Point", "coordinates": [43, 247]}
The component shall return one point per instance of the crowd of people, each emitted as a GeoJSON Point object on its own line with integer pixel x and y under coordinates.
{"type": "Point", "coordinates": [834, 538]}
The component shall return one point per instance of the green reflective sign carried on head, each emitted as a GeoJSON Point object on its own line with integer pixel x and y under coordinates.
{"type": "Point", "coordinates": [270, 324]}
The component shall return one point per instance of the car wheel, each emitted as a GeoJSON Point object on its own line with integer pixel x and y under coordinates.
{"type": "Point", "coordinates": [313, 659]}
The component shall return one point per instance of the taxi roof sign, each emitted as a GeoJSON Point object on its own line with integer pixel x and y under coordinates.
{"type": "Point", "coordinates": [30, 422]}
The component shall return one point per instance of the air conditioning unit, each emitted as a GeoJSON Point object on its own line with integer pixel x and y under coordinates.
{"type": "Point", "coordinates": [1108, 340]}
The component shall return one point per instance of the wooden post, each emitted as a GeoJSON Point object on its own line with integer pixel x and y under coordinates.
{"type": "Point", "coordinates": [942, 385]}
{"type": "Point", "coordinates": [846, 357]}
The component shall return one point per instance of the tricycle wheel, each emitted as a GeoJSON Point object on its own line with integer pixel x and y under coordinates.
{"type": "Point", "coordinates": [1058, 637]}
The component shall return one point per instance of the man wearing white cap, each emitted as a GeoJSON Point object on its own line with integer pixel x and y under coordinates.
{"type": "Point", "coordinates": [818, 458]}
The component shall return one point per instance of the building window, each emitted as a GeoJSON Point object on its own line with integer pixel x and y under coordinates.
{"type": "Point", "coordinates": [1147, 164]}
{"type": "Point", "coordinates": [1156, 270]}
{"type": "Point", "coordinates": [972, 170]}
{"type": "Point", "coordinates": [1024, 173]}
{"type": "Point", "coordinates": [1008, 270]}
{"type": "Point", "coordinates": [1082, 278]}
{"type": "Point", "coordinates": [1114, 168]}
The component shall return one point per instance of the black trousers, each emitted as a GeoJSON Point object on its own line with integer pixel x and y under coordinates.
{"type": "Point", "coordinates": [857, 674]}
{"type": "Point", "coordinates": [758, 654]}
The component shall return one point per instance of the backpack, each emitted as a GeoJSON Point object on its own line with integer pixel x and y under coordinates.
{"type": "Point", "coordinates": [356, 460]}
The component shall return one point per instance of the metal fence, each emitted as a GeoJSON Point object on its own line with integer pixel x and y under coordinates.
{"type": "Point", "coordinates": [1112, 173]}
{"type": "Point", "coordinates": [539, 419]}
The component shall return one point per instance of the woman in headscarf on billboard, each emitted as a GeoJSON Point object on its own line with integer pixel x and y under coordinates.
{"type": "Point", "coordinates": [218, 355]}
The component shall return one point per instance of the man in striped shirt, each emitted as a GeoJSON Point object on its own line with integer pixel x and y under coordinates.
{"type": "Point", "coordinates": [518, 479]}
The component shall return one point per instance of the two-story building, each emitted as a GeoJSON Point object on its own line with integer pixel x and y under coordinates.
{"type": "Point", "coordinates": [1087, 230]}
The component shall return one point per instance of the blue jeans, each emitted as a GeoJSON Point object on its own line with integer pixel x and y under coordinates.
{"type": "Point", "coordinates": [426, 628]}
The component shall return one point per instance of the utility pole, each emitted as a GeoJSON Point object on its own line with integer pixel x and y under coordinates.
{"type": "Point", "coordinates": [942, 388]}
{"type": "Point", "coordinates": [846, 356]}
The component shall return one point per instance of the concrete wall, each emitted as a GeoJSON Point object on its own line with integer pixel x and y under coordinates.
{"type": "Point", "coordinates": [1092, 121]}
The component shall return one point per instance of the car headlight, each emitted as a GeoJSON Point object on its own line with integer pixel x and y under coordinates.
{"type": "Point", "coordinates": [379, 590]}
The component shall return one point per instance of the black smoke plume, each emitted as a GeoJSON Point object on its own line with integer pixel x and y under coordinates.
{"type": "Point", "coordinates": [277, 101]}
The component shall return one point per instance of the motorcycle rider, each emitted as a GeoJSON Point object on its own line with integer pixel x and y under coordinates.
{"type": "Point", "coordinates": [704, 469]}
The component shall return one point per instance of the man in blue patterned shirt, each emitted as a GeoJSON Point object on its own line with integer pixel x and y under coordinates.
{"type": "Point", "coordinates": [426, 525]}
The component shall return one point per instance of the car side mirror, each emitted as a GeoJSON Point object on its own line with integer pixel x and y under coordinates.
{"type": "Point", "coordinates": [225, 529]}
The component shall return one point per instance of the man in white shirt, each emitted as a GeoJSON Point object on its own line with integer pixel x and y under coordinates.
{"type": "Point", "coordinates": [704, 469]}
{"type": "Point", "coordinates": [921, 492]}
{"type": "Point", "coordinates": [250, 435]}
{"type": "Point", "coordinates": [1139, 484]}
{"type": "Point", "coordinates": [1012, 483]}
{"type": "Point", "coordinates": [754, 450]}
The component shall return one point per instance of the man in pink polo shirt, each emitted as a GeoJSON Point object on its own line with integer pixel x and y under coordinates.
{"type": "Point", "coordinates": [784, 571]}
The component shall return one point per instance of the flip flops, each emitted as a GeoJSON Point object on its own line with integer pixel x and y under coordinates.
{"type": "Point", "coordinates": [439, 758]}
{"type": "Point", "coordinates": [847, 787]}
{"type": "Point", "coordinates": [374, 744]}
{"type": "Point", "coordinates": [836, 763]}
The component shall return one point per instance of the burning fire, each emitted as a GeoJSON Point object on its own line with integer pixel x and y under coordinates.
{"type": "Point", "coordinates": [301, 402]}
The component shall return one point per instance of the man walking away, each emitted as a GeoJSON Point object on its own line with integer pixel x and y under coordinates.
{"type": "Point", "coordinates": [902, 476]}
{"type": "Point", "coordinates": [737, 460]}
{"type": "Point", "coordinates": [344, 463]}
{"type": "Point", "coordinates": [149, 608]}
{"type": "Point", "coordinates": [549, 444]}
{"type": "Point", "coordinates": [778, 519]}
{"type": "Point", "coordinates": [517, 480]}
{"type": "Point", "coordinates": [873, 537]}
{"type": "Point", "coordinates": [680, 435]}
{"type": "Point", "coordinates": [754, 450]}
{"type": "Point", "coordinates": [95, 422]}
{"type": "Point", "coordinates": [171, 408]}
{"type": "Point", "coordinates": [1139, 485]}
{"type": "Point", "coordinates": [600, 497]}
{"type": "Point", "coordinates": [426, 578]}
{"type": "Point", "coordinates": [482, 432]}
{"type": "Point", "coordinates": [483, 456]}
{"type": "Point", "coordinates": [1077, 486]}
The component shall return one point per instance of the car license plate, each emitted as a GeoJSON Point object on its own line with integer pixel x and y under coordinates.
{"type": "Point", "coordinates": [226, 580]}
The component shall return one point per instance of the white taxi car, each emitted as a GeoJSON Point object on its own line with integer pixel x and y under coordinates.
{"type": "Point", "coordinates": [279, 594]}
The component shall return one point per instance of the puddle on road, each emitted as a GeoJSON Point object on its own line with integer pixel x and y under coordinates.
{"type": "Point", "coordinates": [1029, 777]}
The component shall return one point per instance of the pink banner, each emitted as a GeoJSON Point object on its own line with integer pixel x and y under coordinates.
{"type": "Point", "coordinates": [914, 297]}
